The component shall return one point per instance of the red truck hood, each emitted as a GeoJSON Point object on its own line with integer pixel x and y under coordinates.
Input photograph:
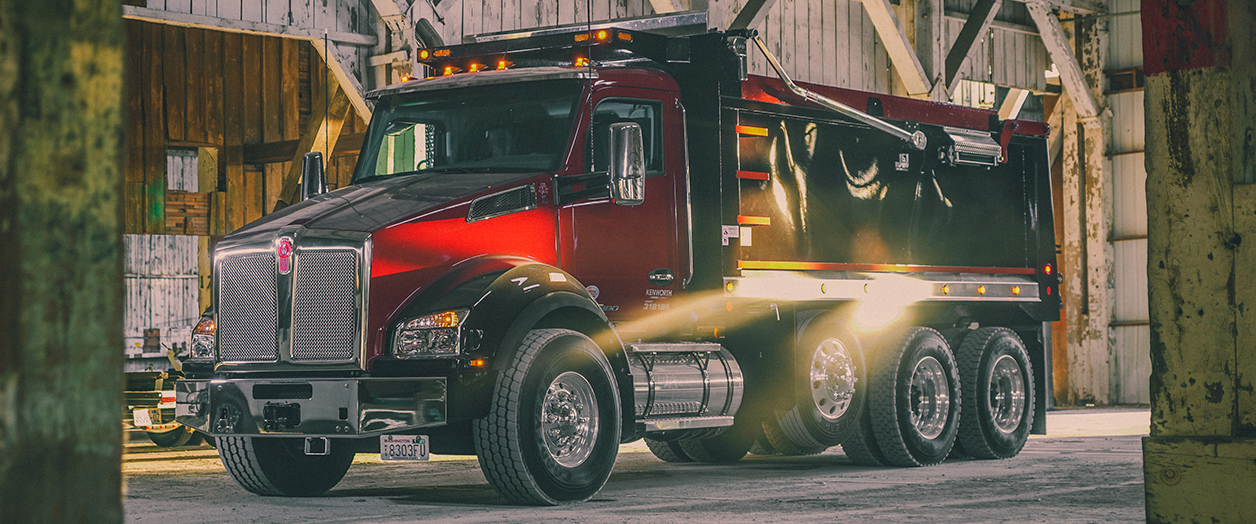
{"type": "Point", "coordinates": [376, 204]}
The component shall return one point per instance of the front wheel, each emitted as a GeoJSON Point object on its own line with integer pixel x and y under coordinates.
{"type": "Point", "coordinates": [552, 432]}
{"type": "Point", "coordinates": [280, 467]}
{"type": "Point", "coordinates": [915, 400]}
{"type": "Point", "coordinates": [998, 393]}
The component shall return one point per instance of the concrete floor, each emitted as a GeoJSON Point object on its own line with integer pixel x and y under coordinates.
{"type": "Point", "coordinates": [1087, 469]}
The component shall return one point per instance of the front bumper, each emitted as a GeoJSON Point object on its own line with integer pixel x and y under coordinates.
{"type": "Point", "coordinates": [310, 408]}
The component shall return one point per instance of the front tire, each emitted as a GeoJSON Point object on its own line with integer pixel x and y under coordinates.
{"type": "Point", "coordinates": [280, 467]}
{"type": "Point", "coordinates": [915, 400]}
{"type": "Point", "coordinates": [998, 393]}
{"type": "Point", "coordinates": [552, 432]}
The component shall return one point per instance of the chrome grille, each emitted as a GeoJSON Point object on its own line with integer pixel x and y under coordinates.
{"type": "Point", "coordinates": [324, 316]}
{"type": "Point", "coordinates": [247, 312]}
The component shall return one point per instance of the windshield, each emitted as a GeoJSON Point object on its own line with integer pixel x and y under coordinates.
{"type": "Point", "coordinates": [522, 127]}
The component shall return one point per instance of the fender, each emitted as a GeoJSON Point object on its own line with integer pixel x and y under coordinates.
{"type": "Point", "coordinates": [542, 296]}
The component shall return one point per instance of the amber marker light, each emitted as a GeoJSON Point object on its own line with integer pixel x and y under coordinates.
{"type": "Point", "coordinates": [582, 62]}
{"type": "Point", "coordinates": [478, 363]}
{"type": "Point", "coordinates": [625, 37]}
{"type": "Point", "coordinates": [449, 70]}
{"type": "Point", "coordinates": [582, 37]}
{"type": "Point", "coordinates": [729, 286]}
{"type": "Point", "coordinates": [1047, 269]}
{"type": "Point", "coordinates": [503, 64]}
{"type": "Point", "coordinates": [405, 78]}
{"type": "Point", "coordinates": [946, 290]}
{"type": "Point", "coordinates": [424, 54]}
{"type": "Point", "coordinates": [602, 34]}
{"type": "Point", "coordinates": [981, 290]}
{"type": "Point", "coordinates": [1015, 290]}
{"type": "Point", "coordinates": [440, 52]}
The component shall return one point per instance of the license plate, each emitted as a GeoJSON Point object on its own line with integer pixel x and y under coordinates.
{"type": "Point", "coordinates": [403, 447]}
{"type": "Point", "coordinates": [142, 418]}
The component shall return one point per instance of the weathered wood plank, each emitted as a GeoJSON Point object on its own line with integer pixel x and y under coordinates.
{"type": "Point", "coordinates": [253, 193]}
{"type": "Point", "coordinates": [175, 82]}
{"type": "Point", "coordinates": [321, 133]}
{"type": "Point", "coordinates": [828, 59]}
{"type": "Point", "coordinates": [283, 151]}
{"type": "Point", "coordinates": [213, 80]}
{"type": "Point", "coordinates": [195, 79]}
{"type": "Point", "coordinates": [251, 11]}
{"type": "Point", "coordinates": [251, 76]}
{"type": "Point", "coordinates": [272, 89]}
{"type": "Point", "coordinates": [841, 39]}
{"type": "Point", "coordinates": [290, 97]}
{"type": "Point", "coordinates": [233, 130]}
{"type": "Point", "coordinates": [302, 13]}
{"type": "Point", "coordinates": [179, 6]}
{"type": "Point", "coordinates": [472, 17]}
{"type": "Point", "coordinates": [154, 131]}
{"type": "Point", "coordinates": [277, 12]}
{"type": "Point", "coordinates": [273, 186]}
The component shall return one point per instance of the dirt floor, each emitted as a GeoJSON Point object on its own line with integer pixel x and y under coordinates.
{"type": "Point", "coordinates": [1087, 469]}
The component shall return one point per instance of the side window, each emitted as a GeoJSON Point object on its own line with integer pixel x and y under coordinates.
{"type": "Point", "coordinates": [647, 114]}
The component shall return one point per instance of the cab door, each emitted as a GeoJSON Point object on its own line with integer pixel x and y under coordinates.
{"type": "Point", "coordinates": [629, 256]}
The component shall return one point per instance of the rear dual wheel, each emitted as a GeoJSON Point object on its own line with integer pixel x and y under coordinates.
{"type": "Point", "coordinates": [915, 401]}
{"type": "Point", "coordinates": [998, 393]}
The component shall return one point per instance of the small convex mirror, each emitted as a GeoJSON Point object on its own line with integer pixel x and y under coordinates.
{"type": "Point", "coordinates": [627, 169]}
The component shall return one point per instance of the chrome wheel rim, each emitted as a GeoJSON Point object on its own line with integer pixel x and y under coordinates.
{"type": "Point", "coordinates": [1007, 394]}
{"type": "Point", "coordinates": [832, 379]}
{"type": "Point", "coordinates": [930, 398]}
{"type": "Point", "coordinates": [569, 419]}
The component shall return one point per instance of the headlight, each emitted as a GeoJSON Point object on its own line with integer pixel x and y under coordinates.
{"type": "Point", "coordinates": [429, 335]}
{"type": "Point", "coordinates": [202, 346]}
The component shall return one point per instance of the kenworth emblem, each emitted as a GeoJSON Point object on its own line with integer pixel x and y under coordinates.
{"type": "Point", "coordinates": [283, 252]}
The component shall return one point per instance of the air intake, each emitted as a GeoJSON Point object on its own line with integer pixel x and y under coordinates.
{"type": "Point", "coordinates": [521, 198]}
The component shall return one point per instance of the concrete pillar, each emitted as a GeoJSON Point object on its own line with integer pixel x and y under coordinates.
{"type": "Point", "coordinates": [1086, 264]}
{"type": "Point", "coordinates": [1200, 61]}
{"type": "Point", "coordinates": [60, 261]}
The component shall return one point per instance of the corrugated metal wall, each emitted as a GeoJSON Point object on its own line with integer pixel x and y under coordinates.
{"type": "Point", "coordinates": [1131, 363]}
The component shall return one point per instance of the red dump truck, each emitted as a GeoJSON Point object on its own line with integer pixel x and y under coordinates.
{"type": "Point", "coordinates": [570, 239]}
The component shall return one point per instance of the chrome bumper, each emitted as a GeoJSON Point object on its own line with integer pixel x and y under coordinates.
{"type": "Point", "coordinates": [310, 408]}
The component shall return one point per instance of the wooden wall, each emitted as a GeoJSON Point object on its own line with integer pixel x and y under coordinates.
{"type": "Point", "coordinates": [231, 92]}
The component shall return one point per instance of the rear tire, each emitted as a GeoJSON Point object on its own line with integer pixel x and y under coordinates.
{"type": "Point", "coordinates": [667, 450]}
{"type": "Point", "coordinates": [729, 446]}
{"type": "Point", "coordinates": [180, 436]}
{"type": "Point", "coordinates": [784, 444]}
{"type": "Point", "coordinates": [831, 381]}
{"type": "Point", "coordinates": [552, 432]}
{"type": "Point", "coordinates": [280, 467]}
{"type": "Point", "coordinates": [915, 400]}
{"type": "Point", "coordinates": [861, 447]}
{"type": "Point", "coordinates": [998, 388]}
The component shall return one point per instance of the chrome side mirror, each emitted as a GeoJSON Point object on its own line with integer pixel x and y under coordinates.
{"type": "Point", "coordinates": [627, 168]}
{"type": "Point", "coordinates": [313, 181]}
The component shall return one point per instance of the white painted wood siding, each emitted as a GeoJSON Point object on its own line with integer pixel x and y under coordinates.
{"type": "Point", "coordinates": [161, 291]}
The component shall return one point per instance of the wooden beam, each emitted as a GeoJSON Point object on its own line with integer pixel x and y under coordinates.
{"type": "Point", "coordinates": [1075, 6]}
{"type": "Point", "coordinates": [929, 32]}
{"type": "Point", "coordinates": [286, 150]}
{"type": "Point", "coordinates": [906, 63]}
{"type": "Point", "coordinates": [350, 84]}
{"type": "Point", "coordinates": [1012, 104]}
{"type": "Point", "coordinates": [1071, 76]}
{"type": "Point", "coordinates": [131, 12]}
{"type": "Point", "coordinates": [327, 117]}
{"type": "Point", "coordinates": [662, 7]}
{"type": "Point", "coordinates": [751, 14]}
{"type": "Point", "coordinates": [974, 29]}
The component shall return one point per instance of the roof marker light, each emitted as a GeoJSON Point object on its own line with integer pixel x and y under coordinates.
{"type": "Point", "coordinates": [1016, 290]}
{"type": "Point", "coordinates": [581, 62]}
{"type": "Point", "coordinates": [503, 64]}
{"type": "Point", "coordinates": [946, 289]}
{"type": "Point", "coordinates": [602, 34]}
{"type": "Point", "coordinates": [440, 52]}
{"type": "Point", "coordinates": [981, 290]}
{"type": "Point", "coordinates": [474, 67]}
{"type": "Point", "coordinates": [582, 37]}
{"type": "Point", "coordinates": [624, 36]}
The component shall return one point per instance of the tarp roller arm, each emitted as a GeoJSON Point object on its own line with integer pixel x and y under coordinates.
{"type": "Point", "coordinates": [915, 138]}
